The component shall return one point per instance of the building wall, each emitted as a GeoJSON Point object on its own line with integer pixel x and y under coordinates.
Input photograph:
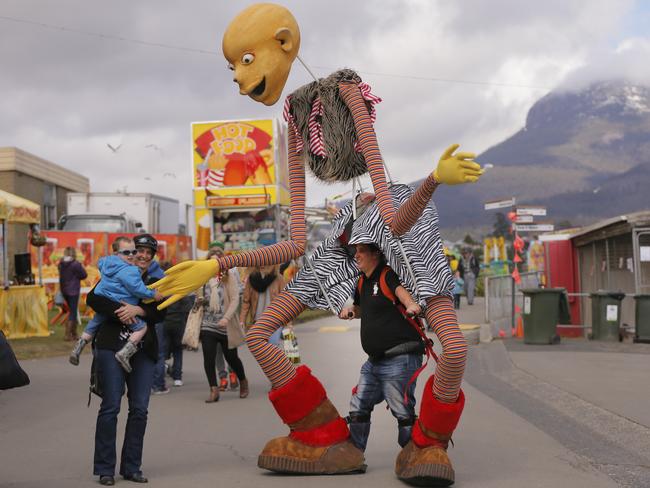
{"type": "Point", "coordinates": [27, 176]}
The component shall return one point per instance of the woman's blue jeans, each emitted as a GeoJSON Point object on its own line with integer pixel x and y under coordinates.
{"type": "Point", "coordinates": [138, 384]}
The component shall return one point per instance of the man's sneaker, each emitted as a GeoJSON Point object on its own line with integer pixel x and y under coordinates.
{"type": "Point", "coordinates": [161, 391]}
{"type": "Point", "coordinates": [223, 384]}
{"type": "Point", "coordinates": [234, 383]}
{"type": "Point", "coordinates": [178, 382]}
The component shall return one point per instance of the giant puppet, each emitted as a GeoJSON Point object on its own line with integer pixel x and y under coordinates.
{"type": "Point", "coordinates": [331, 131]}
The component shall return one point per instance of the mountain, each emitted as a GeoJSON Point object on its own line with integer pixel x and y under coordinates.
{"type": "Point", "coordinates": [584, 154]}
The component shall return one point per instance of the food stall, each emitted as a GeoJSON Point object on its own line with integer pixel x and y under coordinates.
{"type": "Point", "coordinates": [23, 308]}
{"type": "Point", "coordinates": [90, 246]}
{"type": "Point", "coordinates": [240, 185]}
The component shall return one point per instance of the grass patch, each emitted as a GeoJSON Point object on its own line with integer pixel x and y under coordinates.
{"type": "Point", "coordinates": [45, 347]}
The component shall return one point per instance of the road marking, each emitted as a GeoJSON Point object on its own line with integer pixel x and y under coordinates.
{"type": "Point", "coordinates": [469, 326]}
{"type": "Point", "coordinates": [334, 328]}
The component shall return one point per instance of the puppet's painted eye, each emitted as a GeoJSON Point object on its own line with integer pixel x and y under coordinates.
{"type": "Point", "coordinates": [231, 67]}
{"type": "Point", "coordinates": [247, 58]}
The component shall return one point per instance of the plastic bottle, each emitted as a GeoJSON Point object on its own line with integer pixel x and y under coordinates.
{"type": "Point", "coordinates": [290, 345]}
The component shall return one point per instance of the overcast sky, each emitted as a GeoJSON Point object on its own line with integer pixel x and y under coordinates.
{"type": "Point", "coordinates": [76, 75]}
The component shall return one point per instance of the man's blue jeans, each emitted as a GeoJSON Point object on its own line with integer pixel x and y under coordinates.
{"type": "Point", "coordinates": [159, 369]}
{"type": "Point", "coordinates": [113, 379]}
{"type": "Point", "coordinates": [384, 379]}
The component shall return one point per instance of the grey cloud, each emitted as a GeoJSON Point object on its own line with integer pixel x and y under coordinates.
{"type": "Point", "coordinates": [65, 95]}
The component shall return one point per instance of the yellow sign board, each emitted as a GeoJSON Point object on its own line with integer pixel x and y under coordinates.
{"type": "Point", "coordinates": [236, 153]}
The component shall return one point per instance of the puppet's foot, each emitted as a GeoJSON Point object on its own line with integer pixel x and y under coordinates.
{"type": "Point", "coordinates": [424, 460]}
{"type": "Point", "coordinates": [319, 441]}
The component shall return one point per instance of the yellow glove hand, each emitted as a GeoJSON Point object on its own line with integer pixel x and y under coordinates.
{"type": "Point", "coordinates": [455, 169]}
{"type": "Point", "coordinates": [184, 278]}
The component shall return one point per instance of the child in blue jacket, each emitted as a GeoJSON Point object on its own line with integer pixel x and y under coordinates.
{"type": "Point", "coordinates": [459, 285]}
{"type": "Point", "coordinates": [121, 281]}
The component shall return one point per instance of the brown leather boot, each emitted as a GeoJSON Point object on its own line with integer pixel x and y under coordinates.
{"type": "Point", "coordinates": [73, 330]}
{"type": "Point", "coordinates": [214, 395]}
{"type": "Point", "coordinates": [67, 335]}
{"type": "Point", "coordinates": [319, 439]}
{"type": "Point", "coordinates": [243, 388]}
{"type": "Point", "coordinates": [424, 461]}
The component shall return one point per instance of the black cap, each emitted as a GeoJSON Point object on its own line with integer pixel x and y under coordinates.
{"type": "Point", "coordinates": [146, 240]}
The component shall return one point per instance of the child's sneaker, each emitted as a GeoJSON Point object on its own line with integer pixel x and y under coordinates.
{"type": "Point", "coordinates": [223, 384]}
{"type": "Point", "coordinates": [124, 354]}
{"type": "Point", "coordinates": [76, 351]}
{"type": "Point", "coordinates": [234, 383]}
{"type": "Point", "coordinates": [178, 382]}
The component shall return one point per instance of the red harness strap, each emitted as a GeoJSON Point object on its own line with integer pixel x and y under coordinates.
{"type": "Point", "coordinates": [428, 343]}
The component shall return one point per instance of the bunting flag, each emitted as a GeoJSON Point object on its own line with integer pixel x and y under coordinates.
{"type": "Point", "coordinates": [516, 276]}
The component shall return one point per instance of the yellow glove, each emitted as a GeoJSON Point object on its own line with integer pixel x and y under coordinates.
{"type": "Point", "coordinates": [184, 278]}
{"type": "Point", "coordinates": [455, 169]}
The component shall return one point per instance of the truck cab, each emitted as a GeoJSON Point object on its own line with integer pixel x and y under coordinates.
{"type": "Point", "coordinates": [99, 223]}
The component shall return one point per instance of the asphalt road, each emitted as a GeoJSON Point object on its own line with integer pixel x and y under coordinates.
{"type": "Point", "coordinates": [46, 430]}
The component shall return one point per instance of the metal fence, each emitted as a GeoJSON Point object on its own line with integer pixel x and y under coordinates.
{"type": "Point", "coordinates": [501, 296]}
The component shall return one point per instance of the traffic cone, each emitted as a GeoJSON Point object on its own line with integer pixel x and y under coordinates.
{"type": "Point", "coordinates": [520, 328]}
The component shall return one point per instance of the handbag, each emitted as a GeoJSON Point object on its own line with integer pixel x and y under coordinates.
{"type": "Point", "coordinates": [58, 298]}
{"type": "Point", "coordinates": [193, 328]}
{"type": "Point", "coordinates": [11, 374]}
{"type": "Point", "coordinates": [236, 335]}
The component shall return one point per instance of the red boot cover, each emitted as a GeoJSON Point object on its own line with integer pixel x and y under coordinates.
{"type": "Point", "coordinates": [436, 416]}
{"type": "Point", "coordinates": [326, 435]}
{"type": "Point", "coordinates": [295, 400]}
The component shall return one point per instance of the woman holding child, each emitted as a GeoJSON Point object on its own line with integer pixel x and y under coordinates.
{"type": "Point", "coordinates": [112, 334]}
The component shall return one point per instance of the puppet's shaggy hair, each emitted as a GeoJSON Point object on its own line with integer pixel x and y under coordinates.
{"type": "Point", "coordinates": [342, 162]}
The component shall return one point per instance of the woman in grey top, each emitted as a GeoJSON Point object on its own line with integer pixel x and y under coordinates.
{"type": "Point", "coordinates": [219, 298]}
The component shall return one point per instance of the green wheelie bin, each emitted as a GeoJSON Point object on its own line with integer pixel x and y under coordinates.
{"type": "Point", "coordinates": [606, 315]}
{"type": "Point", "coordinates": [642, 318]}
{"type": "Point", "coordinates": [542, 311]}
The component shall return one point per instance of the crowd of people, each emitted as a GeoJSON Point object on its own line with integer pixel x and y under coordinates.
{"type": "Point", "coordinates": [465, 272]}
{"type": "Point", "coordinates": [136, 346]}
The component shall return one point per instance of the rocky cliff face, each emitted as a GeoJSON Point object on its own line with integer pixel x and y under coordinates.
{"type": "Point", "coordinates": [584, 154]}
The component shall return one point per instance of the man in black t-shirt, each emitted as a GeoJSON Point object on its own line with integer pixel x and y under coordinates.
{"type": "Point", "coordinates": [393, 346]}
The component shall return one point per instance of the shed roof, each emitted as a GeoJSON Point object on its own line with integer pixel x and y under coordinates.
{"type": "Point", "coordinates": [15, 159]}
{"type": "Point", "coordinates": [611, 227]}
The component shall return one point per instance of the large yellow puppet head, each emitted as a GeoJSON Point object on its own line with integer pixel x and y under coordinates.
{"type": "Point", "coordinates": [260, 45]}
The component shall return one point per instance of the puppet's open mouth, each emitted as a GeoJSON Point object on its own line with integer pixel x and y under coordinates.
{"type": "Point", "coordinates": [259, 89]}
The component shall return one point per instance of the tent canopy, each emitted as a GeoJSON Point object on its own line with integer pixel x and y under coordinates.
{"type": "Point", "coordinates": [16, 209]}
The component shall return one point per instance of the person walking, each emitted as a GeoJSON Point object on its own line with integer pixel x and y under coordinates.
{"type": "Point", "coordinates": [225, 372]}
{"type": "Point", "coordinates": [469, 268]}
{"type": "Point", "coordinates": [173, 329]}
{"type": "Point", "coordinates": [263, 285]}
{"type": "Point", "coordinates": [111, 336]}
{"type": "Point", "coordinates": [219, 298]}
{"type": "Point", "coordinates": [71, 272]}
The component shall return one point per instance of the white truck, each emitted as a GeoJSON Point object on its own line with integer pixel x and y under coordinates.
{"type": "Point", "coordinates": [121, 212]}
